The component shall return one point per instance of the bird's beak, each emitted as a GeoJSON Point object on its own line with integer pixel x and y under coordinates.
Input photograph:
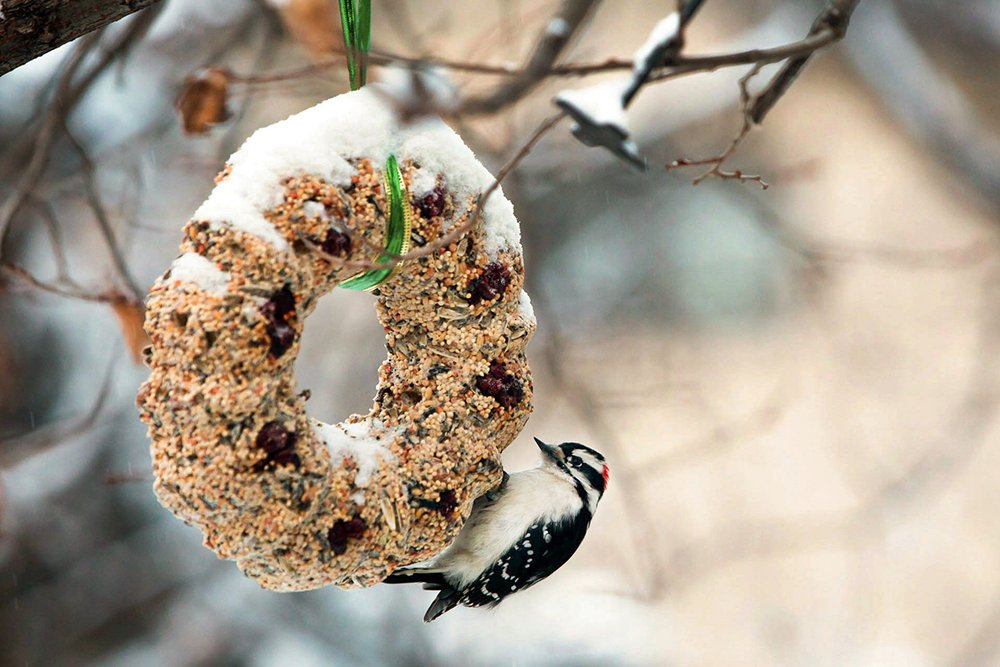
{"type": "Point", "coordinates": [550, 451]}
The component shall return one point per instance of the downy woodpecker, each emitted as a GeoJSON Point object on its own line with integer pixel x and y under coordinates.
{"type": "Point", "coordinates": [517, 534]}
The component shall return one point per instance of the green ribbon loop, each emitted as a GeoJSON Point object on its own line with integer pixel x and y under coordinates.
{"type": "Point", "coordinates": [398, 226]}
{"type": "Point", "coordinates": [356, 20]}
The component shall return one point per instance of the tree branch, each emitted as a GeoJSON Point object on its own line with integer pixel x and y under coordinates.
{"type": "Point", "coordinates": [833, 21]}
{"type": "Point", "coordinates": [31, 28]}
{"type": "Point", "coordinates": [69, 92]}
{"type": "Point", "coordinates": [558, 33]}
{"type": "Point", "coordinates": [829, 27]}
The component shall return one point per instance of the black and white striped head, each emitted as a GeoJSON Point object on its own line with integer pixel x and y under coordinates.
{"type": "Point", "coordinates": [584, 465]}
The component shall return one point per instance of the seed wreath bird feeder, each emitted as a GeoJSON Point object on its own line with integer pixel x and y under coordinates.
{"type": "Point", "coordinates": [328, 197]}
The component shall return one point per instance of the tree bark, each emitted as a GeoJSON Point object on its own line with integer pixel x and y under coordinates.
{"type": "Point", "coordinates": [31, 28]}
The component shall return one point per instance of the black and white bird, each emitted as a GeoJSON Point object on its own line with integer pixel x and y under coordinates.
{"type": "Point", "coordinates": [518, 534]}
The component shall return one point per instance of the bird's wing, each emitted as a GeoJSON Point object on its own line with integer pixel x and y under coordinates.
{"type": "Point", "coordinates": [542, 550]}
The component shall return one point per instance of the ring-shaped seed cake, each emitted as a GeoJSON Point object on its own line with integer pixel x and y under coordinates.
{"type": "Point", "coordinates": [295, 502]}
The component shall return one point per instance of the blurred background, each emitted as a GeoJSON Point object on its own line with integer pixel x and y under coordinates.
{"type": "Point", "coordinates": [796, 387]}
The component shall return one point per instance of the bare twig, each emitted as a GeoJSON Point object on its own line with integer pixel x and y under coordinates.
{"type": "Point", "coordinates": [681, 65]}
{"type": "Point", "coordinates": [340, 262]}
{"type": "Point", "coordinates": [830, 26]}
{"type": "Point", "coordinates": [103, 222]}
{"type": "Point", "coordinates": [72, 291]}
{"type": "Point", "coordinates": [716, 170]}
{"type": "Point", "coordinates": [62, 102]}
{"type": "Point", "coordinates": [48, 217]}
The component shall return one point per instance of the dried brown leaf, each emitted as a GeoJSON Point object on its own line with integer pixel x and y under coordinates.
{"type": "Point", "coordinates": [131, 315]}
{"type": "Point", "coordinates": [203, 100]}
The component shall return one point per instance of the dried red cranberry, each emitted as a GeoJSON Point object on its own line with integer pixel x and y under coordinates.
{"type": "Point", "coordinates": [502, 386]}
{"type": "Point", "coordinates": [489, 385]}
{"type": "Point", "coordinates": [490, 284]}
{"type": "Point", "coordinates": [447, 503]}
{"type": "Point", "coordinates": [273, 437]}
{"type": "Point", "coordinates": [278, 444]}
{"type": "Point", "coordinates": [336, 243]}
{"type": "Point", "coordinates": [281, 304]}
{"type": "Point", "coordinates": [279, 311]}
{"type": "Point", "coordinates": [432, 204]}
{"type": "Point", "coordinates": [342, 531]}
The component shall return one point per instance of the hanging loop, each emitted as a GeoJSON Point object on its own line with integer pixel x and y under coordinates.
{"type": "Point", "coordinates": [398, 226]}
{"type": "Point", "coordinates": [356, 20]}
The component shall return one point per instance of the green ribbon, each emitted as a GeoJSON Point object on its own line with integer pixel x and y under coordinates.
{"type": "Point", "coordinates": [356, 20]}
{"type": "Point", "coordinates": [397, 230]}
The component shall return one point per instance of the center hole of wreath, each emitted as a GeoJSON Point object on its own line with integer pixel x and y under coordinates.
{"type": "Point", "coordinates": [342, 347]}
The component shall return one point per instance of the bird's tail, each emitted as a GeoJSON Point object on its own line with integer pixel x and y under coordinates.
{"type": "Point", "coordinates": [447, 598]}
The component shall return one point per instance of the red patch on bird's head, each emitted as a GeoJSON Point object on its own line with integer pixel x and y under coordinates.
{"type": "Point", "coordinates": [606, 474]}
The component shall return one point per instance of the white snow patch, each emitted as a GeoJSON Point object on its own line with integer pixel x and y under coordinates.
{"type": "Point", "coordinates": [422, 182]}
{"type": "Point", "coordinates": [229, 205]}
{"type": "Point", "coordinates": [359, 442]}
{"type": "Point", "coordinates": [525, 308]}
{"type": "Point", "coordinates": [314, 209]}
{"type": "Point", "coordinates": [602, 103]}
{"type": "Point", "coordinates": [501, 227]}
{"type": "Point", "coordinates": [558, 27]}
{"type": "Point", "coordinates": [664, 32]}
{"type": "Point", "coordinates": [193, 268]}
{"type": "Point", "coordinates": [320, 141]}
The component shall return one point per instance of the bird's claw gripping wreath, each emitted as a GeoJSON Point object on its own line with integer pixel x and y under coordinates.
{"type": "Point", "coordinates": [298, 210]}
